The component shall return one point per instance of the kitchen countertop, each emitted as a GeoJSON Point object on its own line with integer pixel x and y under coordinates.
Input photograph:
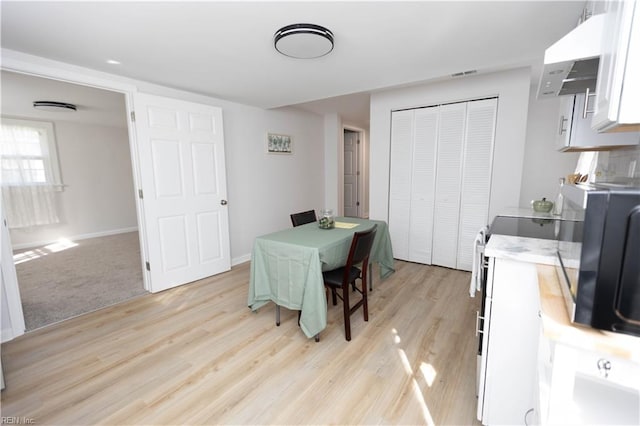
{"type": "Point", "coordinates": [557, 327]}
{"type": "Point", "coordinates": [528, 212]}
{"type": "Point", "coordinates": [532, 250]}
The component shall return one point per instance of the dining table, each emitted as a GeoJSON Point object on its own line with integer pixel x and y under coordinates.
{"type": "Point", "coordinates": [287, 266]}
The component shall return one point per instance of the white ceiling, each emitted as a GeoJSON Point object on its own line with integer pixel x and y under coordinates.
{"type": "Point", "coordinates": [225, 49]}
{"type": "Point", "coordinates": [95, 106]}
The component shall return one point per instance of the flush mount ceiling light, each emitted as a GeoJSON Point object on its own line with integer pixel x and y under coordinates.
{"type": "Point", "coordinates": [303, 41]}
{"type": "Point", "coordinates": [53, 106]}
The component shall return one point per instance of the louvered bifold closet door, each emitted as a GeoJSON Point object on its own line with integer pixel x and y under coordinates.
{"type": "Point", "coordinates": [448, 184]}
{"type": "Point", "coordinates": [400, 182]}
{"type": "Point", "coordinates": [476, 176]}
{"type": "Point", "coordinates": [423, 168]}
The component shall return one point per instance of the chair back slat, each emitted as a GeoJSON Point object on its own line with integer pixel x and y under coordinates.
{"type": "Point", "coordinates": [361, 246]}
{"type": "Point", "coordinates": [301, 218]}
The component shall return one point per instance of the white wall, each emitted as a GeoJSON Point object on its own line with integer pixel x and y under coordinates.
{"type": "Point", "coordinates": [262, 189]}
{"type": "Point", "coordinates": [96, 165]}
{"type": "Point", "coordinates": [512, 88]}
{"type": "Point", "coordinates": [543, 164]}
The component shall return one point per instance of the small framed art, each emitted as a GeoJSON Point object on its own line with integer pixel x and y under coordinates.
{"type": "Point", "coordinates": [279, 144]}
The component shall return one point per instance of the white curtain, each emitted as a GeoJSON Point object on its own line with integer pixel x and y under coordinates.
{"type": "Point", "coordinates": [28, 195]}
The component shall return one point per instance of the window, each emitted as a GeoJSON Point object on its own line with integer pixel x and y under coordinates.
{"type": "Point", "coordinates": [28, 153]}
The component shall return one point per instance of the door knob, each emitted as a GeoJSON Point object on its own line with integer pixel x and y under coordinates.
{"type": "Point", "coordinates": [223, 202]}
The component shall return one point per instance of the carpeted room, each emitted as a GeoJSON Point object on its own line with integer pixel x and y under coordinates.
{"type": "Point", "coordinates": [85, 253]}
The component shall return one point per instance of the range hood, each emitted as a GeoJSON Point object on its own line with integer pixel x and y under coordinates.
{"type": "Point", "coordinates": [571, 63]}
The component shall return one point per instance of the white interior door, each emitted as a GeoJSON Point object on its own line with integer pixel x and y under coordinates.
{"type": "Point", "coordinates": [351, 173]}
{"type": "Point", "coordinates": [400, 182]}
{"type": "Point", "coordinates": [447, 197]}
{"type": "Point", "coordinates": [181, 152]}
{"type": "Point", "coordinates": [11, 304]}
{"type": "Point", "coordinates": [423, 169]}
{"type": "Point", "coordinates": [476, 176]}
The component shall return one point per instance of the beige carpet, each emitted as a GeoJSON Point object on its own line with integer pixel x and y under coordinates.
{"type": "Point", "coordinates": [64, 280]}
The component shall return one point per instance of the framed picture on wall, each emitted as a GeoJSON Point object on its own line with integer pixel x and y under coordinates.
{"type": "Point", "coordinates": [279, 144]}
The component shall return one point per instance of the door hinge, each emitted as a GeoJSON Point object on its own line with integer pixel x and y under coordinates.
{"type": "Point", "coordinates": [358, 142]}
{"type": "Point", "coordinates": [148, 265]}
{"type": "Point", "coordinates": [140, 194]}
{"type": "Point", "coordinates": [358, 173]}
{"type": "Point", "coordinates": [357, 203]}
{"type": "Point", "coordinates": [133, 116]}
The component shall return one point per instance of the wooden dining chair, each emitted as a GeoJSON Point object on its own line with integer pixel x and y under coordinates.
{"type": "Point", "coordinates": [346, 276]}
{"type": "Point", "coordinates": [303, 217]}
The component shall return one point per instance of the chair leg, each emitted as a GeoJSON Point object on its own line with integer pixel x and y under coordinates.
{"type": "Point", "coordinates": [334, 297]}
{"type": "Point", "coordinates": [365, 304]}
{"type": "Point", "coordinates": [347, 313]}
{"type": "Point", "coordinates": [278, 315]}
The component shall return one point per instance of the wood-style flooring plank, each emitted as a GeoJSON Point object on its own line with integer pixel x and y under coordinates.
{"type": "Point", "coordinates": [197, 355]}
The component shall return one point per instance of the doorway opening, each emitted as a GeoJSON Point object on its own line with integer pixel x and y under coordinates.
{"type": "Point", "coordinates": [353, 173]}
{"type": "Point", "coordinates": [88, 255]}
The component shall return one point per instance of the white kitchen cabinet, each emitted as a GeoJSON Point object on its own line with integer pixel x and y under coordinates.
{"type": "Point", "coordinates": [587, 387]}
{"type": "Point", "coordinates": [618, 87]}
{"type": "Point", "coordinates": [509, 344]}
{"type": "Point", "coordinates": [440, 179]}
{"type": "Point", "coordinates": [575, 132]}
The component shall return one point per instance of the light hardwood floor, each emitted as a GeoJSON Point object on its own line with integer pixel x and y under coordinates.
{"type": "Point", "coordinates": [197, 355]}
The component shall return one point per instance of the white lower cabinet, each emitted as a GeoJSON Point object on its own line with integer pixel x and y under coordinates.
{"type": "Point", "coordinates": [586, 387]}
{"type": "Point", "coordinates": [508, 373]}
{"type": "Point", "coordinates": [569, 375]}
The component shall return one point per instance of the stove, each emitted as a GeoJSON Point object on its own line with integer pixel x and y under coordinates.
{"type": "Point", "coordinates": [541, 228]}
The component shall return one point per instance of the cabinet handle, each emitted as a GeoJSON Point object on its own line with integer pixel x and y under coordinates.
{"type": "Point", "coordinates": [526, 415]}
{"type": "Point", "coordinates": [478, 318]}
{"type": "Point", "coordinates": [562, 121]}
{"type": "Point", "coordinates": [585, 111]}
{"type": "Point", "coordinates": [604, 365]}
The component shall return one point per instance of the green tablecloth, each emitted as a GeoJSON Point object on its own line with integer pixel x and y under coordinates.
{"type": "Point", "coordinates": [286, 266]}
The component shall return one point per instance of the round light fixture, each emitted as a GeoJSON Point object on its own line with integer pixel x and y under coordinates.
{"type": "Point", "coordinates": [303, 41]}
{"type": "Point", "coordinates": [54, 106]}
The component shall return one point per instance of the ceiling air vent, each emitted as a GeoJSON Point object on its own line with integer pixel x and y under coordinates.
{"type": "Point", "coordinates": [463, 73]}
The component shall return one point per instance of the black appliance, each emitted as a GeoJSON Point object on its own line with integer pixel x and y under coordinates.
{"type": "Point", "coordinates": [601, 272]}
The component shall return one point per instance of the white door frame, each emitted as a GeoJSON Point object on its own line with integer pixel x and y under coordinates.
{"type": "Point", "coordinates": [361, 168]}
{"type": "Point", "coordinates": [12, 61]}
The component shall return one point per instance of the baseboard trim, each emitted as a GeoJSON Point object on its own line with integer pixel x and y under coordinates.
{"type": "Point", "coordinates": [240, 259]}
{"type": "Point", "coordinates": [75, 237]}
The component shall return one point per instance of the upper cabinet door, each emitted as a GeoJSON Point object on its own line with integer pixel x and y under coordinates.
{"type": "Point", "coordinates": [617, 100]}
{"type": "Point", "coordinates": [181, 152]}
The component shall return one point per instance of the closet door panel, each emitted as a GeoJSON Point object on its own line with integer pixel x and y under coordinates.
{"type": "Point", "coordinates": [476, 176]}
{"type": "Point", "coordinates": [447, 196]}
{"type": "Point", "coordinates": [400, 182]}
{"type": "Point", "coordinates": [423, 184]}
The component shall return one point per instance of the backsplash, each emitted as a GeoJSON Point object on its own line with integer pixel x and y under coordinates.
{"type": "Point", "coordinates": [620, 165]}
